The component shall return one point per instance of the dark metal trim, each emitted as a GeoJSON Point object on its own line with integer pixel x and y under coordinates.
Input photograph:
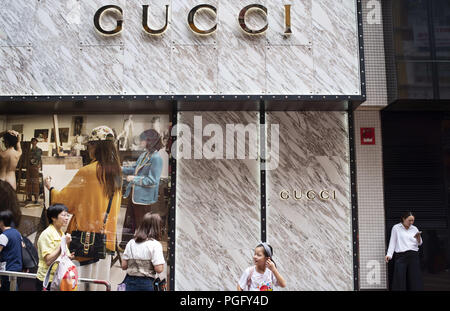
{"type": "Point", "coordinates": [262, 167]}
{"type": "Point", "coordinates": [362, 70]}
{"type": "Point", "coordinates": [183, 97]}
{"type": "Point", "coordinates": [172, 212]}
{"type": "Point", "coordinates": [354, 200]}
{"type": "Point", "coordinates": [191, 97]}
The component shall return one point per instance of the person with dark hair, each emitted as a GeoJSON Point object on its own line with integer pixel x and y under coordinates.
{"type": "Point", "coordinates": [143, 257]}
{"type": "Point", "coordinates": [87, 197]}
{"type": "Point", "coordinates": [263, 275]}
{"type": "Point", "coordinates": [34, 164]}
{"type": "Point", "coordinates": [8, 202]}
{"type": "Point", "coordinates": [143, 183]}
{"type": "Point", "coordinates": [10, 248]}
{"type": "Point", "coordinates": [49, 243]}
{"type": "Point", "coordinates": [405, 241]}
{"type": "Point", "coordinates": [10, 152]}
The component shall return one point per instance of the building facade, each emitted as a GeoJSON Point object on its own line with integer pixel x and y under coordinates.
{"type": "Point", "coordinates": [270, 114]}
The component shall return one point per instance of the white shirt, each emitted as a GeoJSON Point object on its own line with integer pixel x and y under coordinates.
{"type": "Point", "coordinates": [148, 250]}
{"type": "Point", "coordinates": [259, 281]}
{"type": "Point", "coordinates": [143, 257]}
{"type": "Point", "coordinates": [403, 239]}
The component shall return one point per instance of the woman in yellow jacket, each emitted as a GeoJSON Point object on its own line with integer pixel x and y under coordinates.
{"type": "Point", "coordinates": [87, 197]}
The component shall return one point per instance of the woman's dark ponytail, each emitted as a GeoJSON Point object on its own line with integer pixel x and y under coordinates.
{"type": "Point", "coordinates": [406, 215]}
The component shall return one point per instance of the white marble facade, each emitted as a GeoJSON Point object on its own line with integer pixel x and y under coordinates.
{"type": "Point", "coordinates": [218, 220]}
{"type": "Point", "coordinates": [312, 239]}
{"type": "Point", "coordinates": [50, 47]}
{"type": "Point", "coordinates": [217, 212]}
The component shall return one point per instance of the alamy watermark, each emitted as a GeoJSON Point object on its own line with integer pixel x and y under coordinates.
{"type": "Point", "coordinates": [373, 16]}
{"type": "Point", "coordinates": [213, 142]}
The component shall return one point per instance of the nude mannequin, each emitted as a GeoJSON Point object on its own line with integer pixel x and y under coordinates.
{"type": "Point", "coordinates": [9, 159]}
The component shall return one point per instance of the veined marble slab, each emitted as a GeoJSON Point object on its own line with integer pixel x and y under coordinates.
{"type": "Point", "coordinates": [218, 213]}
{"type": "Point", "coordinates": [312, 239]}
{"type": "Point", "coordinates": [16, 22]}
{"type": "Point", "coordinates": [321, 56]}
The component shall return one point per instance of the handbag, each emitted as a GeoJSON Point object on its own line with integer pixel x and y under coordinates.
{"type": "Point", "coordinates": [29, 255]}
{"type": "Point", "coordinates": [90, 244]}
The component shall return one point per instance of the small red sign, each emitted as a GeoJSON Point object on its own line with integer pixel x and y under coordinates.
{"type": "Point", "coordinates": [367, 136]}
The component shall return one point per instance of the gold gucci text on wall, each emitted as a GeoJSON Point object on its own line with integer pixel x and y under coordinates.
{"type": "Point", "coordinates": [309, 195]}
{"type": "Point", "coordinates": [114, 9]}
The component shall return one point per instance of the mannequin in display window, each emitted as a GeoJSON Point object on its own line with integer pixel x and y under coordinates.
{"type": "Point", "coordinates": [10, 153]}
{"type": "Point", "coordinates": [34, 164]}
{"type": "Point", "coordinates": [124, 136]}
{"type": "Point", "coordinates": [143, 183]}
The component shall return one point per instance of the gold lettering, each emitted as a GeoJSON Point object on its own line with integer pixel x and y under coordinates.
{"type": "Point", "coordinates": [307, 195]}
{"type": "Point", "coordinates": [145, 22]}
{"type": "Point", "coordinates": [321, 195]}
{"type": "Point", "coordinates": [295, 195]}
{"type": "Point", "coordinates": [242, 14]}
{"type": "Point", "coordinates": [99, 14]}
{"type": "Point", "coordinates": [287, 19]}
{"type": "Point", "coordinates": [286, 197]}
{"type": "Point", "coordinates": [191, 17]}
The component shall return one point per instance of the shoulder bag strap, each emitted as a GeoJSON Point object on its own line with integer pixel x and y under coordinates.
{"type": "Point", "coordinates": [249, 279]}
{"type": "Point", "coordinates": [107, 212]}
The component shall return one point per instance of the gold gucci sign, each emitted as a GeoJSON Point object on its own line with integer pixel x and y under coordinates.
{"type": "Point", "coordinates": [309, 195]}
{"type": "Point", "coordinates": [190, 20]}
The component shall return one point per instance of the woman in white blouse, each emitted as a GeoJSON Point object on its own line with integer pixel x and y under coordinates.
{"type": "Point", "coordinates": [405, 241]}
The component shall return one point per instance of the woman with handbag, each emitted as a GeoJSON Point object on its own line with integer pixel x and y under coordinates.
{"type": "Point", "coordinates": [93, 197]}
{"type": "Point", "coordinates": [143, 257]}
{"type": "Point", "coordinates": [143, 183]}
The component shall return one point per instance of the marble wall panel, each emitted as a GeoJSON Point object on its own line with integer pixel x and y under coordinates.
{"type": "Point", "coordinates": [312, 239]}
{"type": "Point", "coordinates": [16, 22]}
{"type": "Point", "coordinates": [218, 214]}
{"type": "Point", "coordinates": [15, 75]}
{"type": "Point", "coordinates": [242, 66]}
{"type": "Point", "coordinates": [228, 62]}
{"type": "Point", "coordinates": [301, 23]}
{"type": "Point", "coordinates": [197, 249]}
{"type": "Point", "coordinates": [289, 70]}
{"type": "Point", "coordinates": [335, 47]}
{"type": "Point", "coordinates": [193, 70]}
{"type": "Point", "coordinates": [56, 21]}
{"type": "Point", "coordinates": [56, 62]}
{"type": "Point", "coordinates": [101, 69]}
{"type": "Point", "coordinates": [143, 73]}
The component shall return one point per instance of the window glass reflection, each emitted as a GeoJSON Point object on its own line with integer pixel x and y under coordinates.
{"type": "Point", "coordinates": [62, 147]}
{"type": "Point", "coordinates": [411, 29]}
{"type": "Point", "coordinates": [441, 23]}
{"type": "Point", "coordinates": [444, 80]}
{"type": "Point", "coordinates": [415, 80]}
